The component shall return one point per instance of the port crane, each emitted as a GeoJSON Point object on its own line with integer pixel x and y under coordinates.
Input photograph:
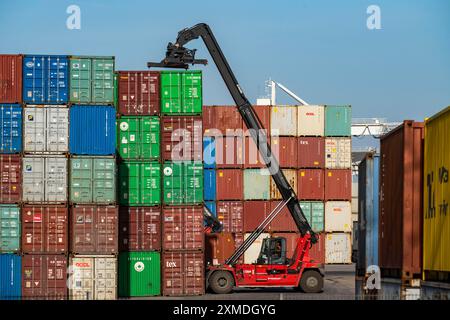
{"type": "Point", "coordinates": [272, 268]}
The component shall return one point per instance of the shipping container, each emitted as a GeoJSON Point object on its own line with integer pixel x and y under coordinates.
{"type": "Point", "coordinates": [183, 273]}
{"type": "Point", "coordinates": [182, 138]}
{"type": "Point", "coordinates": [291, 176]}
{"type": "Point", "coordinates": [46, 129]}
{"type": "Point", "coordinates": [183, 228]}
{"type": "Point", "coordinates": [316, 252]}
{"type": "Point", "coordinates": [338, 216]}
{"type": "Point", "coordinates": [10, 128]}
{"type": "Point", "coordinates": [315, 214]}
{"type": "Point", "coordinates": [139, 274]}
{"type": "Point", "coordinates": [209, 121]}
{"type": "Point", "coordinates": [283, 120]}
{"type": "Point", "coordinates": [231, 215]}
{"type": "Point", "coordinates": [139, 228]}
{"type": "Point", "coordinates": [257, 184]}
{"type": "Point", "coordinates": [85, 138]}
{"type": "Point", "coordinates": [9, 228]}
{"type": "Point", "coordinates": [311, 152]}
{"type": "Point", "coordinates": [92, 277]}
{"type": "Point", "coordinates": [116, 89]}
{"type": "Point", "coordinates": [45, 229]}
{"type": "Point", "coordinates": [11, 178]}
{"type": "Point", "coordinates": [283, 221]}
{"type": "Point", "coordinates": [338, 184]}
{"type": "Point", "coordinates": [230, 184]}
{"type": "Point", "coordinates": [254, 213]}
{"type": "Point", "coordinates": [92, 180]}
{"type": "Point", "coordinates": [45, 79]}
{"type": "Point", "coordinates": [211, 206]}
{"type": "Point", "coordinates": [44, 179]}
{"type": "Point", "coordinates": [252, 253]}
{"type": "Point", "coordinates": [311, 184]}
{"type": "Point", "coordinates": [227, 120]}
{"type": "Point", "coordinates": [338, 121]}
{"type": "Point", "coordinates": [230, 151]}
{"type": "Point", "coordinates": [263, 114]}
{"type": "Point", "coordinates": [285, 151]}
{"type": "Point", "coordinates": [183, 182]}
{"type": "Point", "coordinates": [219, 247]}
{"type": "Point", "coordinates": [138, 138]}
{"type": "Point", "coordinates": [338, 248]}
{"type": "Point", "coordinates": [94, 229]}
{"type": "Point", "coordinates": [10, 78]}
{"type": "Point", "coordinates": [10, 276]}
{"type": "Point", "coordinates": [401, 203]}
{"type": "Point", "coordinates": [139, 183]}
{"type": "Point", "coordinates": [181, 92]}
{"type": "Point", "coordinates": [138, 93]}
{"type": "Point", "coordinates": [209, 153]}
{"type": "Point", "coordinates": [209, 185]}
{"type": "Point", "coordinates": [92, 80]}
{"type": "Point", "coordinates": [311, 121]}
{"type": "Point", "coordinates": [44, 277]}
{"type": "Point", "coordinates": [252, 156]}
{"type": "Point", "coordinates": [338, 153]}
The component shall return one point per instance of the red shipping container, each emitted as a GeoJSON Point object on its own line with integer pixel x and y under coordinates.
{"type": "Point", "coordinates": [252, 156]}
{"type": "Point", "coordinates": [139, 92]}
{"type": "Point", "coordinates": [183, 228]}
{"type": "Point", "coordinates": [338, 184]}
{"type": "Point", "coordinates": [219, 247]}
{"type": "Point", "coordinates": [316, 252]}
{"type": "Point", "coordinates": [231, 215]}
{"type": "Point", "coordinates": [11, 178]}
{"type": "Point", "coordinates": [139, 228]}
{"type": "Point", "coordinates": [229, 152]}
{"type": "Point", "coordinates": [228, 120]}
{"type": "Point", "coordinates": [263, 113]}
{"type": "Point", "coordinates": [285, 150]}
{"type": "Point", "coordinates": [44, 229]}
{"type": "Point", "coordinates": [183, 273]}
{"type": "Point", "coordinates": [310, 184]}
{"type": "Point", "coordinates": [254, 213]}
{"type": "Point", "coordinates": [283, 221]}
{"type": "Point", "coordinates": [44, 277]}
{"type": "Point", "coordinates": [208, 120]}
{"type": "Point", "coordinates": [311, 152]}
{"type": "Point", "coordinates": [229, 184]}
{"type": "Point", "coordinates": [182, 138]}
{"type": "Point", "coordinates": [94, 229]}
{"type": "Point", "coordinates": [10, 78]}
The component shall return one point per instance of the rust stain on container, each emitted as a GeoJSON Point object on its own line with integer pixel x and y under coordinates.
{"type": "Point", "coordinates": [139, 92]}
{"type": "Point", "coordinates": [227, 120]}
{"type": "Point", "coordinates": [44, 277]}
{"type": "Point", "coordinates": [254, 213]}
{"type": "Point", "coordinates": [401, 204]}
{"type": "Point", "coordinates": [183, 228]}
{"type": "Point", "coordinates": [208, 121]}
{"type": "Point", "coordinates": [11, 178]}
{"type": "Point", "coordinates": [94, 229]}
{"type": "Point", "coordinates": [311, 152]}
{"type": "Point", "coordinates": [183, 273]}
{"type": "Point", "coordinates": [230, 184]}
{"type": "Point", "coordinates": [311, 184]}
{"type": "Point", "coordinates": [263, 113]}
{"type": "Point", "coordinates": [139, 228]}
{"type": "Point", "coordinates": [44, 229]}
{"type": "Point", "coordinates": [231, 215]}
{"type": "Point", "coordinates": [10, 78]}
{"type": "Point", "coordinates": [182, 138]}
{"type": "Point", "coordinates": [229, 152]}
{"type": "Point", "coordinates": [285, 150]}
{"type": "Point", "coordinates": [284, 221]}
{"type": "Point", "coordinates": [219, 247]}
{"type": "Point", "coordinates": [338, 184]}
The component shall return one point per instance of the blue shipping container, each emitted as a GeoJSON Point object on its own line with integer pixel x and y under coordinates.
{"type": "Point", "coordinates": [92, 130]}
{"type": "Point", "coordinates": [212, 207]}
{"type": "Point", "coordinates": [45, 79]}
{"type": "Point", "coordinates": [10, 276]}
{"type": "Point", "coordinates": [209, 185]}
{"type": "Point", "coordinates": [209, 153]}
{"type": "Point", "coordinates": [11, 128]}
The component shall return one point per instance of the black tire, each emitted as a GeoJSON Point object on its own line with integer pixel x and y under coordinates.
{"type": "Point", "coordinates": [221, 282]}
{"type": "Point", "coordinates": [311, 282]}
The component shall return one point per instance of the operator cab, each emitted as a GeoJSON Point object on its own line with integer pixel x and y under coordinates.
{"type": "Point", "coordinates": [273, 251]}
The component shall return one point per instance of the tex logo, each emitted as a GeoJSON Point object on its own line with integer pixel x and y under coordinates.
{"type": "Point", "coordinates": [139, 266]}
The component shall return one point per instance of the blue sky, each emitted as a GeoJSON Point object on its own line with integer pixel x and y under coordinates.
{"type": "Point", "coordinates": [320, 49]}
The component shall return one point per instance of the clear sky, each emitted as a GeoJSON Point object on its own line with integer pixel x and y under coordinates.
{"type": "Point", "coordinates": [320, 49]}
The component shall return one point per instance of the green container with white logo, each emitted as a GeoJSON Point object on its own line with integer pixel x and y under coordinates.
{"type": "Point", "coordinates": [183, 182]}
{"type": "Point", "coordinates": [181, 92]}
{"type": "Point", "coordinates": [314, 212]}
{"type": "Point", "coordinates": [139, 274]}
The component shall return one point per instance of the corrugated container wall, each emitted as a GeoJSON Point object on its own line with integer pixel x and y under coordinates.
{"type": "Point", "coordinates": [219, 247]}
{"type": "Point", "coordinates": [283, 121]}
{"type": "Point", "coordinates": [230, 184]}
{"type": "Point", "coordinates": [139, 274]}
{"type": "Point", "coordinates": [338, 248]}
{"type": "Point", "coordinates": [338, 184]}
{"type": "Point", "coordinates": [338, 121]}
{"type": "Point", "coordinates": [315, 214]}
{"type": "Point", "coordinates": [338, 153]}
{"type": "Point", "coordinates": [182, 138]}
{"type": "Point", "coordinates": [10, 128]}
{"type": "Point", "coordinates": [256, 184]}
{"type": "Point", "coordinates": [311, 121]}
{"type": "Point", "coordinates": [229, 151]}
{"type": "Point", "coordinates": [311, 152]}
{"type": "Point", "coordinates": [10, 78]}
{"type": "Point", "coordinates": [11, 178]}
{"type": "Point", "coordinates": [285, 150]}
{"type": "Point", "coordinates": [338, 216]}
{"type": "Point", "coordinates": [263, 114]}
{"type": "Point", "coordinates": [209, 185]}
{"type": "Point", "coordinates": [138, 92]}
{"type": "Point", "coordinates": [254, 213]}
{"type": "Point", "coordinates": [231, 215]}
{"type": "Point", "coordinates": [209, 152]}
{"type": "Point", "coordinates": [311, 184]}
{"type": "Point", "coordinates": [183, 182]}
{"type": "Point", "coordinates": [11, 276]}
{"type": "Point", "coordinates": [10, 227]}
{"type": "Point", "coordinates": [181, 92]}
{"type": "Point", "coordinates": [291, 176]}
{"type": "Point", "coordinates": [222, 120]}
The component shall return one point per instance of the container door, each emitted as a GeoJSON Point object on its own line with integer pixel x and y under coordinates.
{"type": "Point", "coordinates": [33, 179]}
{"type": "Point", "coordinates": [192, 92]}
{"type": "Point", "coordinates": [173, 183]}
{"type": "Point", "coordinates": [11, 272]}
{"type": "Point", "coordinates": [34, 129]}
{"type": "Point", "coordinates": [317, 216]}
{"type": "Point", "coordinates": [129, 138]}
{"type": "Point", "coordinates": [56, 179]}
{"type": "Point", "coordinates": [33, 79]}
{"type": "Point", "coordinates": [210, 185]}
{"type": "Point", "coordinates": [81, 180]}
{"type": "Point", "coordinates": [149, 138]}
{"type": "Point", "coordinates": [82, 279]}
{"type": "Point", "coordinates": [141, 272]}
{"type": "Point", "coordinates": [57, 129]}
{"type": "Point", "coordinates": [256, 184]}
{"type": "Point", "coordinates": [311, 121]}
{"type": "Point", "coordinates": [193, 183]}
{"type": "Point", "coordinates": [9, 228]}
{"type": "Point", "coordinates": [337, 121]}
{"type": "Point", "coordinates": [105, 278]}
{"type": "Point", "coordinates": [150, 183]}
{"type": "Point", "coordinates": [103, 81]}
{"type": "Point", "coordinates": [171, 96]}
{"type": "Point", "coordinates": [104, 180]}
{"type": "Point", "coordinates": [10, 128]}
{"type": "Point", "coordinates": [80, 80]}
{"type": "Point", "coordinates": [56, 84]}
{"type": "Point", "coordinates": [209, 153]}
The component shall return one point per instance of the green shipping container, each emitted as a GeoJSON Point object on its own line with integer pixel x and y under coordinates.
{"type": "Point", "coordinates": [140, 183]}
{"type": "Point", "coordinates": [314, 212]}
{"type": "Point", "coordinates": [338, 121]}
{"type": "Point", "coordinates": [183, 183]}
{"type": "Point", "coordinates": [139, 137]}
{"type": "Point", "coordinates": [139, 274]}
{"type": "Point", "coordinates": [92, 80]}
{"type": "Point", "coordinates": [181, 92]}
{"type": "Point", "coordinates": [256, 184]}
{"type": "Point", "coordinates": [116, 90]}
{"type": "Point", "coordinates": [92, 180]}
{"type": "Point", "coordinates": [9, 228]}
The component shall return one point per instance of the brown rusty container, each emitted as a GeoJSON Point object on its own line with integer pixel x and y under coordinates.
{"type": "Point", "coordinates": [228, 120]}
{"type": "Point", "coordinates": [229, 152]}
{"type": "Point", "coordinates": [284, 221]}
{"type": "Point", "coordinates": [263, 113]}
{"type": "Point", "coordinates": [44, 277]}
{"type": "Point", "coordinates": [94, 229]}
{"type": "Point", "coordinates": [139, 93]}
{"type": "Point", "coordinates": [338, 184]}
{"type": "Point", "coordinates": [45, 229]}
{"type": "Point", "coordinates": [10, 78]}
{"type": "Point", "coordinates": [311, 152]}
{"type": "Point", "coordinates": [229, 184]}
{"type": "Point", "coordinates": [231, 215]}
{"type": "Point", "coordinates": [208, 120]}
{"type": "Point", "coordinates": [285, 150]}
{"type": "Point", "coordinates": [183, 228]}
{"type": "Point", "coordinates": [254, 213]}
{"type": "Point", "coordinates": [291, 176]}
{"type": "Point", "coordinates": [139, 228]}
{"type": "Point", "coordinates": [401, 204]}
{"type": "Point", "coordinates": [11, 178]}
{"type": "Point", "coordinates": [183, 273]}
{"type": "Point", "coordinates": [219, 247]}
{"type": "Point", "coordinates": [252, 158]}
{"type": "Point", "coordinates": [310, 184]}
{"type": "Point", "coordinates": [317, 251]}
{"type": "Point", "coordinates": [182, 136]}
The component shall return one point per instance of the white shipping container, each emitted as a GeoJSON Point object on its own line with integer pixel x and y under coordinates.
{"type": "Point", "coordinates": [93, 278]}
{"type": "Point", "coordinates": [257, 184]}
{"type": "Point", "coordinates": [44, 179]}
{"type": "Point", "coordinates": [338, 153]}
{"type": "Point", "coordinates": [338, 248]}
{"type": "Point", "coordinates": [252, 253]}
{"type": "Point", "coordinates": [338, 216]}
{"type": "Point", "coordinates": [283, 120]}
{"type": "Point", "coordinates": [311, 121]}
{"type": "Point", "coordinates": [46, 128]}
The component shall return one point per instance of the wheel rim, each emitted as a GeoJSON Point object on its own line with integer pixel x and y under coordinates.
{"type": "Point", "coordinates": [222, 282]}
{"type": "Point", "coordinates": [311, 282]}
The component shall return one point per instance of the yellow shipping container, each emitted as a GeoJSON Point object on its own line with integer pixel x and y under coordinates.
{"type": "Point", "coordinates": [436, 227]}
